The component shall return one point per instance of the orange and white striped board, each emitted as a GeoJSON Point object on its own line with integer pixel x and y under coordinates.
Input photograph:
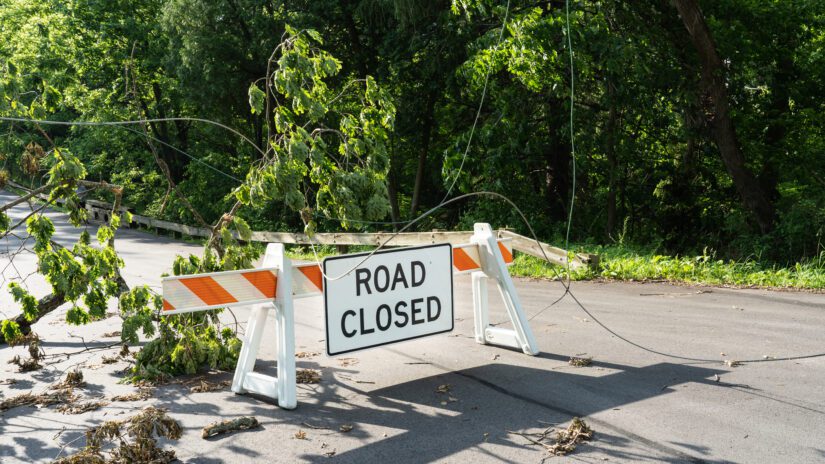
{"type": "Point", "coordinates": [466, 257]}
{"type": "Point", "coordinates": [183, 294]}
{"type": "Point", "coordinates": [307, 280]}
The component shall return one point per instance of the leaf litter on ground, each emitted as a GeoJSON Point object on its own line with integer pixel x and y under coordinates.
{"type": "Point", "coordinates": [137, 443]}
{"type": "Point", "coordinates": [308, 376]}
{"type": "Point", "coordinates": [576, 361]}
{"type": "Point", "coordinates": [564, 442]}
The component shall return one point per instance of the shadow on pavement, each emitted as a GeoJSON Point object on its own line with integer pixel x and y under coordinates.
{"type": "Point", "coordinates": [483, 404]}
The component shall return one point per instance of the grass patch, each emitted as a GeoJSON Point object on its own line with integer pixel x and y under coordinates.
{"type": "Point", "coordinates": [304, 252]}
{"type": "Point", "coordinates": [622, 263]}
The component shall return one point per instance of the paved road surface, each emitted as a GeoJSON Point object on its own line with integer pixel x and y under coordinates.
{"type": "Point", "coordinates": [644, 407]}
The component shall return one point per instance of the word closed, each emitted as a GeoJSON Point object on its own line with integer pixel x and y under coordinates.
{"type": "Point", "coordinates": [395, 295]}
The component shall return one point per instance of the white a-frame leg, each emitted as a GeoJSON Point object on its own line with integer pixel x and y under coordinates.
{"type": "Point", "coordinates": [246, 380]}
{"type": "Point", "coordinates": [493, 266]}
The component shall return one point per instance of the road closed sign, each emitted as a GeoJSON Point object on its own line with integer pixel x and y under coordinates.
{"type": "Point", "coordinates": [395, 295]}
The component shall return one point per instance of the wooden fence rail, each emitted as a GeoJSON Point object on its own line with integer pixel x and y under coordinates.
{"type": "Point", "coordinates": [100, 211]}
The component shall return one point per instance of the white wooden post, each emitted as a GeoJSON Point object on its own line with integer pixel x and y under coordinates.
{"type": "Point", "coordinates": [493, 266]}
{"type": "Point", "coordinates": [246, 380]}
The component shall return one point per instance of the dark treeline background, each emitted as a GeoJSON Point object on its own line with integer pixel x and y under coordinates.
{"type": "Point", "coordinates": [697, 123]}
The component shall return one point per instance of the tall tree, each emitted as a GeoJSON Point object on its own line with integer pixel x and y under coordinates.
{"type": "Point", "coordinates": [713, 86]}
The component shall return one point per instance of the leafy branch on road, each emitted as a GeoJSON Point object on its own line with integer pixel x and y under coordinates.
{"type": "Point", "coordinates": [326, 149]}
{"type": "Point", "coordinates": [83, 275]}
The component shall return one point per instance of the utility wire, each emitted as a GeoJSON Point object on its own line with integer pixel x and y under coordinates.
{"type": "Point", "coordinates": [445, 202]}
{"type": "Point", "coordinates": [193, 158]}
{"type": "Point", "coordinates": [136, 121]}
{"type": "Point", "coordinates": [480, 103]}
{"type": "Point", "coordinates": [424, 215]}
{"type": "Point", "coordinates": [572, 134]}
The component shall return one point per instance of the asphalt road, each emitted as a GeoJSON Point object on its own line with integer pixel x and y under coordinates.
{"type": "Point", "coordinates": [643, 406]}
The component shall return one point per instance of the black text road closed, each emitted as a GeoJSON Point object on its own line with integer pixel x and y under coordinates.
{"type": "Point", "coordinates": [395, 295]}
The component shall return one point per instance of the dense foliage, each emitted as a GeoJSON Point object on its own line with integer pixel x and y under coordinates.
{"type": "Point", "coordinates": [681, 146]}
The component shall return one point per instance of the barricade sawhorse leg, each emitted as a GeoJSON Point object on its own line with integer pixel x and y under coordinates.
{"type": "Point", "coordinates": [246, 380]}
{"type": "Point", "coordinates": [493, 266]}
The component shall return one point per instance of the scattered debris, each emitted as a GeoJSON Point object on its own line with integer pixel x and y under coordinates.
{"type": "Point", "coordinates": [110, 359]}
{"type": "Point", "coordinates": [74, 379]}
{"type": "Point", "coordinates": [306, 354]}
{"type": "Point", "coordinates": [443, 388]}
{"type": "Point", "coordinates": [205, 386]}
{"type": "Point", "coordinates": [308, 376]}
{"type": "Point", "coordinates": [495, 357]}
{"type": "Point", "coordinates": [36, 353]}
{"type": "Point", "coordinates": [300, 435]}
{"type": "Point", "coordinates": [28, 365]}
{"type": "Point", "coordinates": [486, 436]}
{"type": "Point", "coordinates": [141, 429]}
{"type": "Point", "coordinates": [346, 377]}
{"type": "Point", "coordinates": [345, 428]}
{"type": "Point", "coordinates": [564, 442]}
{"type": "Point", "coordinates": [674, 294]}
{"type": "Point", "coordinates": [346, 362]}
{"type": "Point", "coordinates": [114, 334]}
{"type": "Point", "coordinates": [43, 399]}
{"type": "Point", "coordinates": [767, 356]}
{"type": "Point", "coordinates": [8, 381]}
{"type": "Point", "coordinates": [143, 393]}
{"type": "Point", "coordinates": [576, 361]}
{"type": "Point", "coordinates": [330, 454]}
{"type": "Point", "coordinates": [416, 363]}
{"type": "Point", "coordinates": [732, 363]}
{"type": "Point", "coordinates": [218, 428]}
{"type": "Point", "coordinates": [715, 377]}
{"type": "Point", "coordinates": [80, 408]}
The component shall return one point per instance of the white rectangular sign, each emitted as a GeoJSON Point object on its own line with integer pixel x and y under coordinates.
{"type": "Point", "coordinates": [396, 295]}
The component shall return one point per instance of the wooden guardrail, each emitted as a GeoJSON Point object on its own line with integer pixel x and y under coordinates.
{"type": "Point", "coordinates": [100, 211]}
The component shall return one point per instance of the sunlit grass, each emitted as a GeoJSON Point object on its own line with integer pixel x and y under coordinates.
{"type": "Point", "coordinates": [625, 264]}
{"type": "Point", "coordinates": [619, 263]}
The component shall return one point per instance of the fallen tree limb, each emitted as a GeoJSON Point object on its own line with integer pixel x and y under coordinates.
{"type": "Point", "coordinates": [231, 425]}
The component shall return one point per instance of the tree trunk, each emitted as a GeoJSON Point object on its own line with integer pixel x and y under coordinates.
{"type": "Point", "coordinates": [713, 86]}
{"type": "Point", "coordinates": [612, 160]}
{"type": "Point", "coordinates": [392, 186]}
{"type": "Point", "coordinates": [45, 305]}
{"type": "Point", "coordinates": [777, 128]}
{"type": "Point", "coordinates": [558, 159]}
{"type": "Point", "coordinates": [426, 133]}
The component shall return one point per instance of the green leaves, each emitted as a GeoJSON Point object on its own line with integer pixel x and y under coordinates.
{"type": "Point", "coordinates": [4, 222]}
{"type": "Point", "coordinates": [27, 302]}
{"type": "Point", "coordinates": [41, 228]}
{"type": "Point", "coordinates": [104, 234]}
{"type": "Point", "coordinates": [10, 330]}
{"type": "Point", "coordinates": [257, 99]}
{"type": "Point", "coordinates": [345, 165]}
{"type": "Point", "coordinates": [137, 308]}
{"type": "Point", "coordinates": [65, 172]}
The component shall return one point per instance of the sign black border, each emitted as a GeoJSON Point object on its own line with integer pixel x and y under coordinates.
{"type": "Point", "coordinates": [326, 310]}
